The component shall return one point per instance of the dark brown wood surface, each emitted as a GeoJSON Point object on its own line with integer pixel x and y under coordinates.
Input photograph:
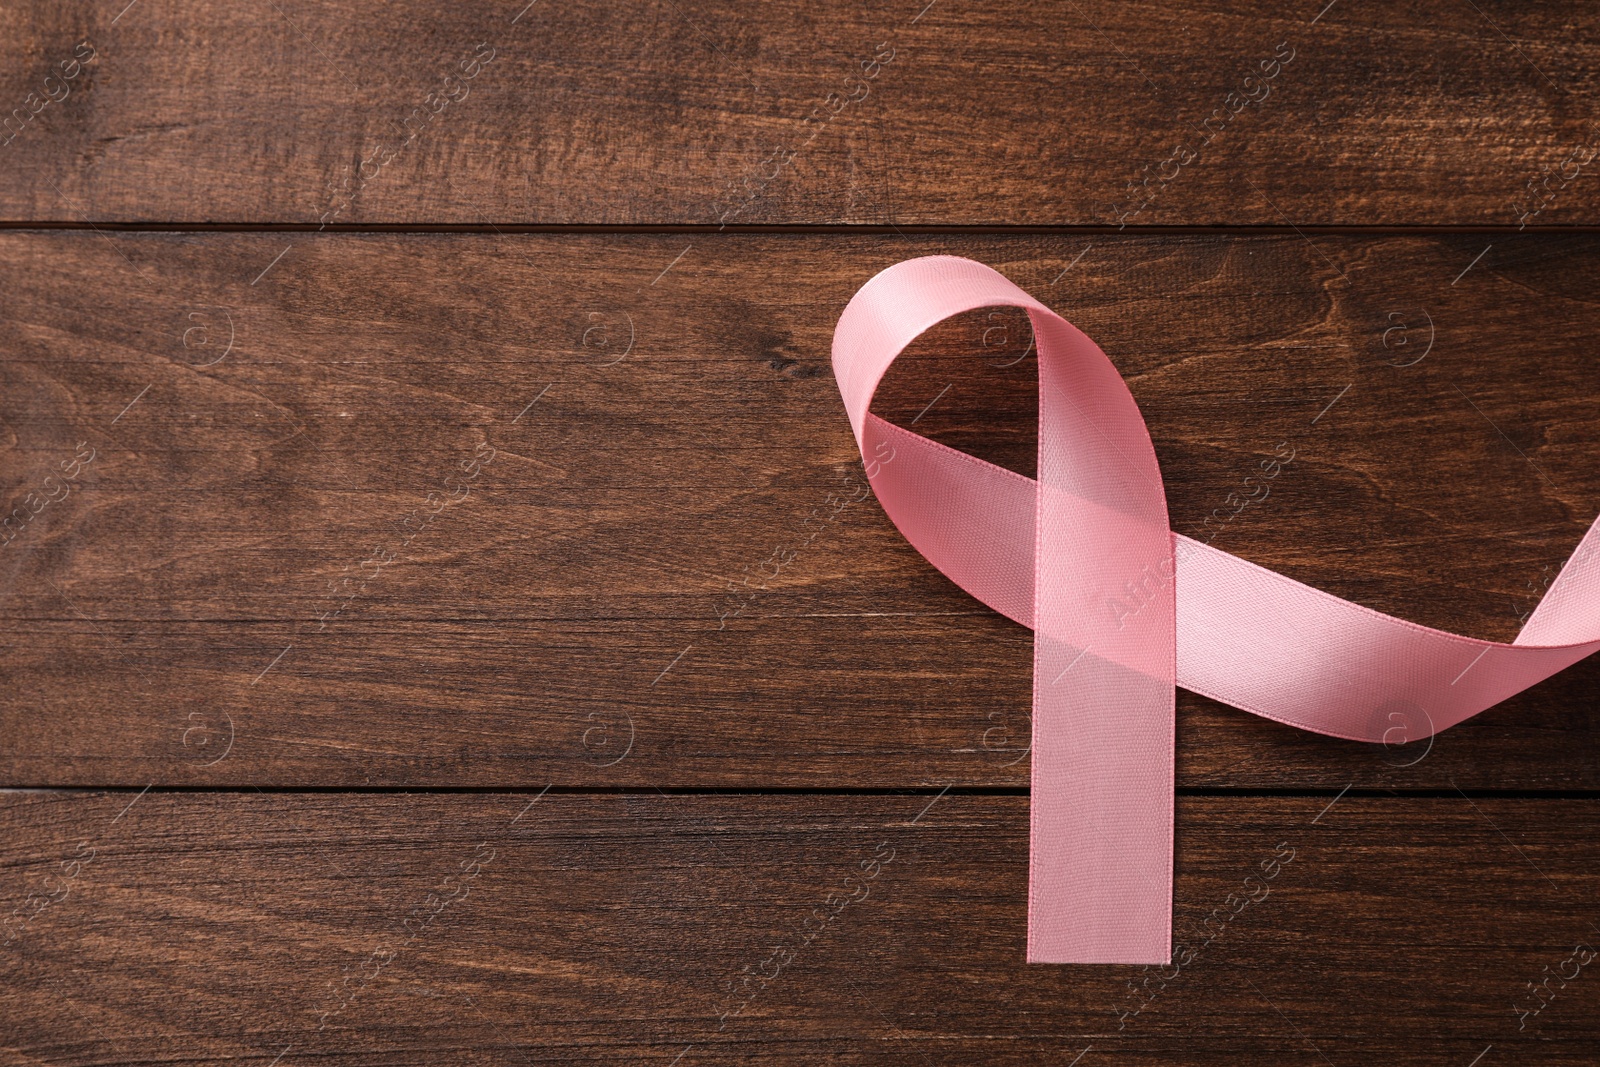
{"type": "Point", "coordinates": [249, 585]}
{"type": "Point", "coordinates": [505, 929]}
{"type": "Point", "coordinates": [403, 407]}
{"type": "Point", "coordinates": [718, 112]}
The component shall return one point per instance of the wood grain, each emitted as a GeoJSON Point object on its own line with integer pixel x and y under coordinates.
{"type": "Point", "coordinates": [233, 928]}
{"type": "Point", "coordinates": [436, 397]}
{"type": "Point", "coordinates": [493, 509]}
{"type": "Point", "coordinates": [711, 112]}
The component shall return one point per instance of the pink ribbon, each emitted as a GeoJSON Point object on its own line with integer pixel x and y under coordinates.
{"type": "Point", "coordinates": [1123, 609]}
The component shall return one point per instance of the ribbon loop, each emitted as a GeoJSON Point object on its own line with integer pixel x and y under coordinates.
{"type": "Point", "coordinates": [1123, 610]}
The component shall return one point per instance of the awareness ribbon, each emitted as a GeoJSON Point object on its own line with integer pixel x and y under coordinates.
{"type": "Point", "coordinates": [1123, 609]}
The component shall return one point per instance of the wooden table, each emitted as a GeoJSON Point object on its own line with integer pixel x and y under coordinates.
{"type": "Point", "coordinates": [444, 620]}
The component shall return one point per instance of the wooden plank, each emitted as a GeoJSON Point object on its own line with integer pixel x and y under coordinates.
{"type": "Point", "coordinates": [385, 510]}
{"type": "Point", "coordinates": [639, 928]}
{"type": "Point", "coordinates": [711, 112]}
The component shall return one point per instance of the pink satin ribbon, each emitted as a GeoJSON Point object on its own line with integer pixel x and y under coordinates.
{"type": "Point", "coordinates": [1123, 609]}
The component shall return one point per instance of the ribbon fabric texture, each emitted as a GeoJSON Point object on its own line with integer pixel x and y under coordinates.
{"type": "Point", "coordinates": [1123, 609]}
